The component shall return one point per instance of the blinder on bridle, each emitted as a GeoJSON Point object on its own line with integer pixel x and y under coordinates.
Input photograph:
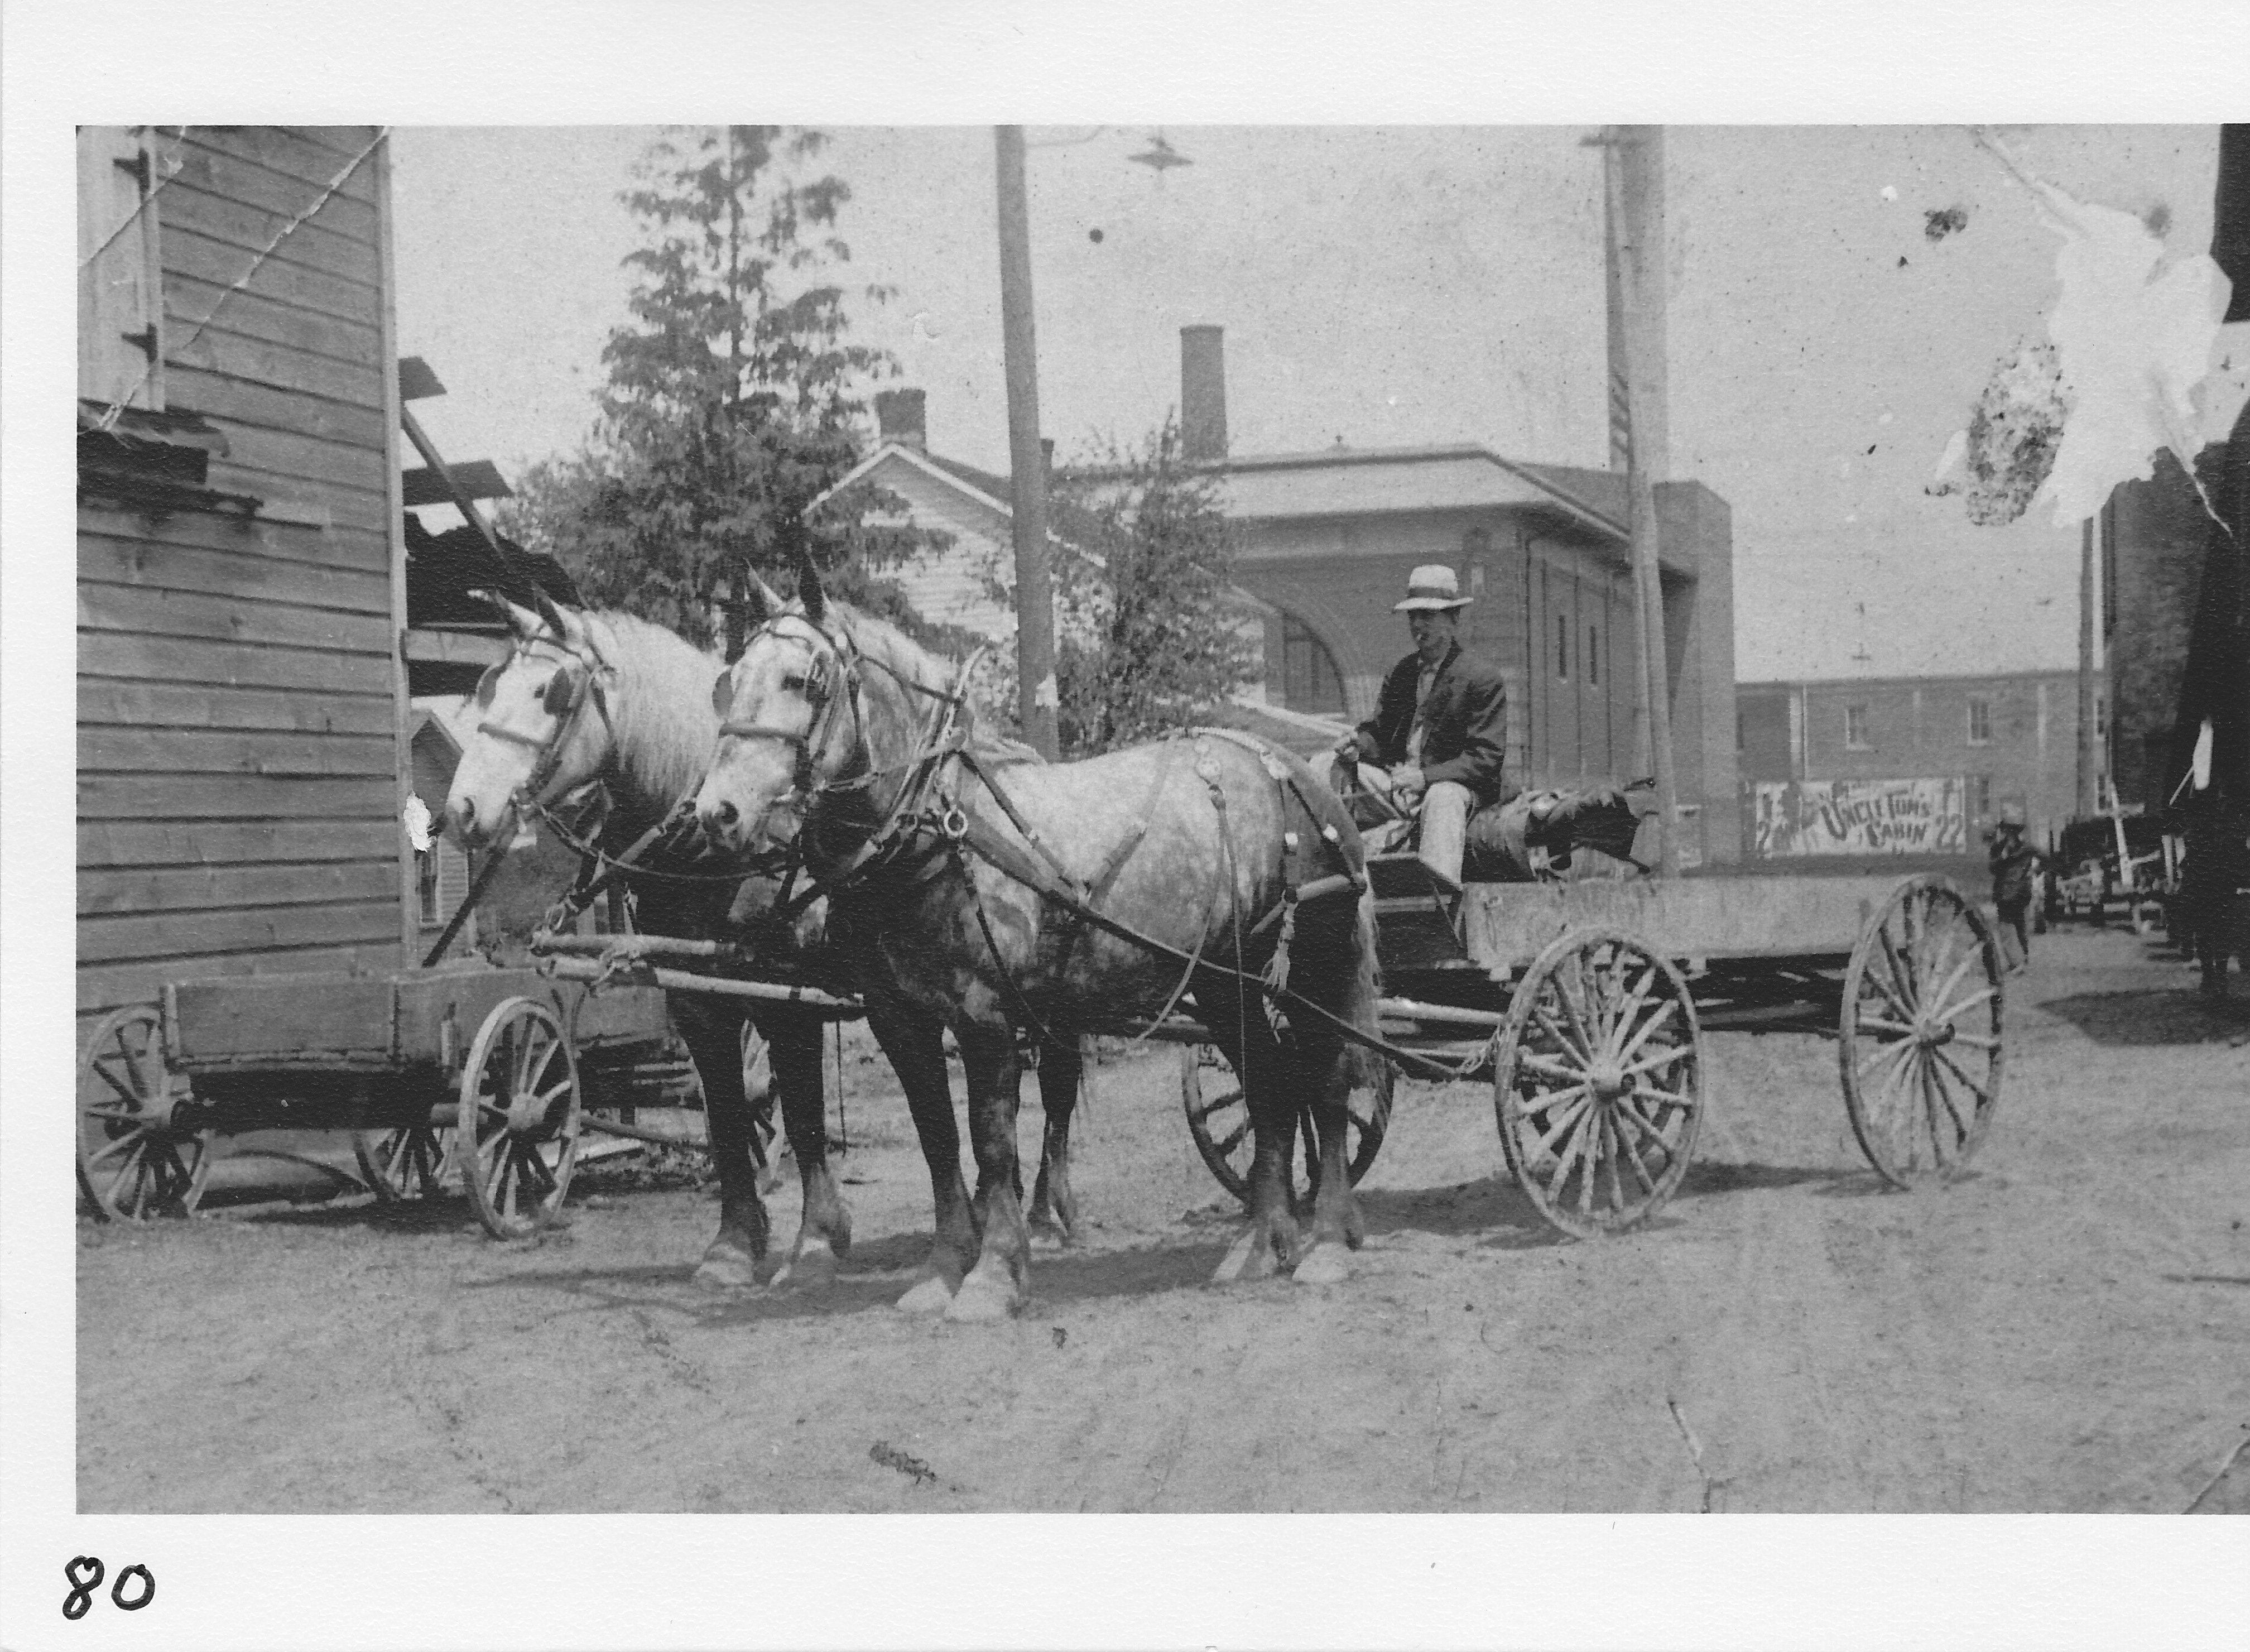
{"type": "Point", "coordinates": [576, 685]}
{"type": "Point", "coordinates": [817, 683]}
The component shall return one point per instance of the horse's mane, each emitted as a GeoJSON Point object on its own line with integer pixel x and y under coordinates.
{"type": "Point", "coordinates": [901, 716]}
{"type": "Point", "coordinates": [661, 712]}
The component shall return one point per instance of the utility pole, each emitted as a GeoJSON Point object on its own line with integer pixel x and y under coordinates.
{"type": "Point", "coordinates": [2088, 770]}
{"type": "Point", "coordinates": [1036, 696]}
{"type": "Point", "coordinates": [1632, 175]}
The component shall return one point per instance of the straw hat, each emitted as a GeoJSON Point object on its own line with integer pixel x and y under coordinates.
{"type": "Point", "coordinates": [1432, 586]}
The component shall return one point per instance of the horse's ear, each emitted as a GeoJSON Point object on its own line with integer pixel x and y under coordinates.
{"type": "Point", "coordinates": [809, 591]}
{"type": "Point", "coordinates": [572, 627]}
{"type": "Point", "coordinates": [520, 620]}
{"type": "Point", "coordinates": [774, 602]}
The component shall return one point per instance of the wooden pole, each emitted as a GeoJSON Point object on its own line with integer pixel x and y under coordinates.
{"type": "Point", "coordinates": [1036, 696]}
{"type": "Point", "coordinates": [2087, 762]}
{"type": "Point", "coordinates": [1632, 160]}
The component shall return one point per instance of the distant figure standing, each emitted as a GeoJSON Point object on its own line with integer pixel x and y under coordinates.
{"type": "Point", "coordinates": [2012, 860]}
{"type": "Point", "coordinates": [1440, 725]}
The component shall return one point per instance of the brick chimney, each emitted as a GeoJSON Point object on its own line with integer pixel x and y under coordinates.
{"type": "Point", "coordinates": [900, 418]}
{"type": "Point", "coordinates": [1203, 394]}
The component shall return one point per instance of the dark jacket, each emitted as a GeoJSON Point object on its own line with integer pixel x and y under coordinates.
{"type": "Point", "coordinates": [1465, 737]}
{"type": "Point", "coordinates": [2012, 860]}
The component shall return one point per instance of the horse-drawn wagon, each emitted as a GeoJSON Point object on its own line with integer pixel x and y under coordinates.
{"type": "Point", "coordinates": [465, 1070]}
{"type": "Point", "coordinates": [1584, 1005]}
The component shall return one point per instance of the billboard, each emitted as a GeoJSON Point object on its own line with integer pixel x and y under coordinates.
{"type": "Point", "coordinates": [1858, 817]}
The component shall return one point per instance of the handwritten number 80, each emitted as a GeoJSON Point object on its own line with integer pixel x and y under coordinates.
{"type": "Point", "coordinates": [84, 1573]}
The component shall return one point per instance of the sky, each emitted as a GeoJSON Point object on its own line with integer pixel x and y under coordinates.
{"type": "Point", "coordinates": [1398, 284]}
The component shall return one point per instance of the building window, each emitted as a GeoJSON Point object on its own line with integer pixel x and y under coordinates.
{"type": "Point", "coordinates": [2101, 719]}
{"type": "Point", "coordinates": [1980, 720]}
{"type": "Point", "coordinates": [429, 885]}
{"type": "Point", "coordinates": [1980, 796]}
{"type": "Point", "coordinates": [1594, 656]}
{"type": "Point", "coordinates": [1310, 681]}
{"type": "Point", "coordinates": [121, 296]}
{"type": "Point", "coordinates": [1855, 728]}
{"type": "Point", "coordinates": [1562, 646]}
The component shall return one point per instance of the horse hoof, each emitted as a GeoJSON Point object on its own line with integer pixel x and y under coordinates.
{"type": "Point", "coordinates": [1250, 1257]}
{"type": "Point", "coordinates": [930, 1296]}
{"type": "Point", "coordinates": [1329, 1264]}
{"type": "Point", "coordinates": [731, 1270]}
{"type": "Point", "coordinates": [813, 1268]}
{"type": "Point", "coordinates": [986, 1295]}
{"type": "Point", "coordinates": [1047, 1238]}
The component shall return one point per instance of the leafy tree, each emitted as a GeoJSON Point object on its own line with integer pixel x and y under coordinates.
{"type": "Point", "coordinates": [1146, 637]}
{"type": "Point", "coordinates": [734, 396]}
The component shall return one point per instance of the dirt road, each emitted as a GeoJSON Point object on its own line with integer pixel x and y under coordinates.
{"type": "Point", "coordinates": [2069, 1329]}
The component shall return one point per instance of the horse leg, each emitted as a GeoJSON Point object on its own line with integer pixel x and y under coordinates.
{"type": "Point", "coordinates": [1328, 1065]}
{"type": "Point", "coordinates": [1271, 1242]}
{"type": "Point", "coordinates": [715, 1043]}
{"type": "Point", "coordinates": [824, 1230]}
{"type": "Point", "coordinates": [994, 1288]}
{"type": "Point", "coordinates": [915, 1042]}
{"type": "Point", "coordinates": [1054, 1206]}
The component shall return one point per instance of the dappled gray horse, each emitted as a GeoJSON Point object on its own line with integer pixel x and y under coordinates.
{"type": "Point", "coordinates": [608, 697]}
{"type": "Point", "coordinates": [1057, 899]}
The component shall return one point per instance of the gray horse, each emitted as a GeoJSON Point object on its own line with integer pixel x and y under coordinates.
{"type": "Point", "coordinates": [605, 697]}
{"type": "Point", "coordinates": [943, 875]}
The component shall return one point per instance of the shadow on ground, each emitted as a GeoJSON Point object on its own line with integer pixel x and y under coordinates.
{"type": "Point", "coordinates": [2178, 1016]}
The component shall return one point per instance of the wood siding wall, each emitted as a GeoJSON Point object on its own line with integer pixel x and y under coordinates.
{"type": "Point", "coordinates": [238, 744]}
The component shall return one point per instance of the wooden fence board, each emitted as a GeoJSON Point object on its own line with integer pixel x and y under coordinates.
{"type": "Point", "coordinates": [152, 613]}
{"type": "Point", "coordinates": [121, 654]}
{"type": "Point", "coordinates": [237, 175]}
{"type": "Point", "coordinates": [144, 890]}
{"type": "Point", "coordinates": [221, 264]}
{"type": "Point", "coordinates": [103, 939]}
{"type": "Point", "coordinates": [104, 988]}
{"type": "Point", "coordinates": [291, 153]}
{"type": "Point", "coordinates": [109, 844]}
{"type": "Point", "coordinates": [104, 748]}
{"type": "Point", "coordinates": [249, 315]}
{"type": "Point", "coordinates": [222, 796]}
{"type": "Point", "coordinates": [157, 566]}
{"type": "Point", "coordinates": [154, 705]}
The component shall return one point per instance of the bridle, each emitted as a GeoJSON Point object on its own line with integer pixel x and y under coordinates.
{"type": "Point", "coordinates": [581, 683]}
{"type": "Point", "coordinates": [830, 693]}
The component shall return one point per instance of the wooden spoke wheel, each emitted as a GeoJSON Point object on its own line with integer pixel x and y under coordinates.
{"type": "Point", "coordinates": [1919, 1046]}
{"type": "Point", "coordinates": [1597, 1081]}
{"type": "Point", "coordinates": [410, 1162]}
{"type": "Point", "coordinates": [518, 1131]}
{"type": "Point", "coordinates": [134, 1160]}
{"type": "Point", "coordinates": [1218, 1119]}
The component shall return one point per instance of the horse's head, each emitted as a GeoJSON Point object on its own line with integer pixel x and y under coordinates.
{"type": "Point", "coordinates": [542, 724]}
{"type": "Point", "coordinates": [788, 724]}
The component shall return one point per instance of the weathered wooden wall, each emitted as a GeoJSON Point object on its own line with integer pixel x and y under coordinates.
{"type": "Point", "coordinates": [239, 712]}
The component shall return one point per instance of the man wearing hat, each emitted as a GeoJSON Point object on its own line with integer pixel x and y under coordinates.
{"type": "Point", "coordinates": [2011, 861]}
{"type": "Point", "coordinates": [1440, 725]}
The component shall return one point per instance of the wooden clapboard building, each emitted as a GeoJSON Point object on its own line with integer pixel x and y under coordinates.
{"type": "Point", "coordinates": [243, 714]}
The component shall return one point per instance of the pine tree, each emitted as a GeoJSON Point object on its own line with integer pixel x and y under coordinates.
{"type": "Point", "coordinates": [733, 396]}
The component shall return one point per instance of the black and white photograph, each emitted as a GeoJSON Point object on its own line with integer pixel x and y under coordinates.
{"type": "Point", "coordinates": [1347, 803]}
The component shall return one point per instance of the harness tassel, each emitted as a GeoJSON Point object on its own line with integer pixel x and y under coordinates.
{"type": "Point", "coordinates": [1277, 968]}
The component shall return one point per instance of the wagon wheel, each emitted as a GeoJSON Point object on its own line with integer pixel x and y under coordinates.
{"type": "Point", "coordinates": [518, 1131]}
{"type": "Point", "coordinates": [1597, 1081]}
{"type": "Point", "coordinates": [1919, 1046]}
{"type": "Point", "coordinates": [131, 1161]}
{"type": "Point", "coordinates": [1218, 1119]}
{"type": "Point", "coordinates": [409, 1162]}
